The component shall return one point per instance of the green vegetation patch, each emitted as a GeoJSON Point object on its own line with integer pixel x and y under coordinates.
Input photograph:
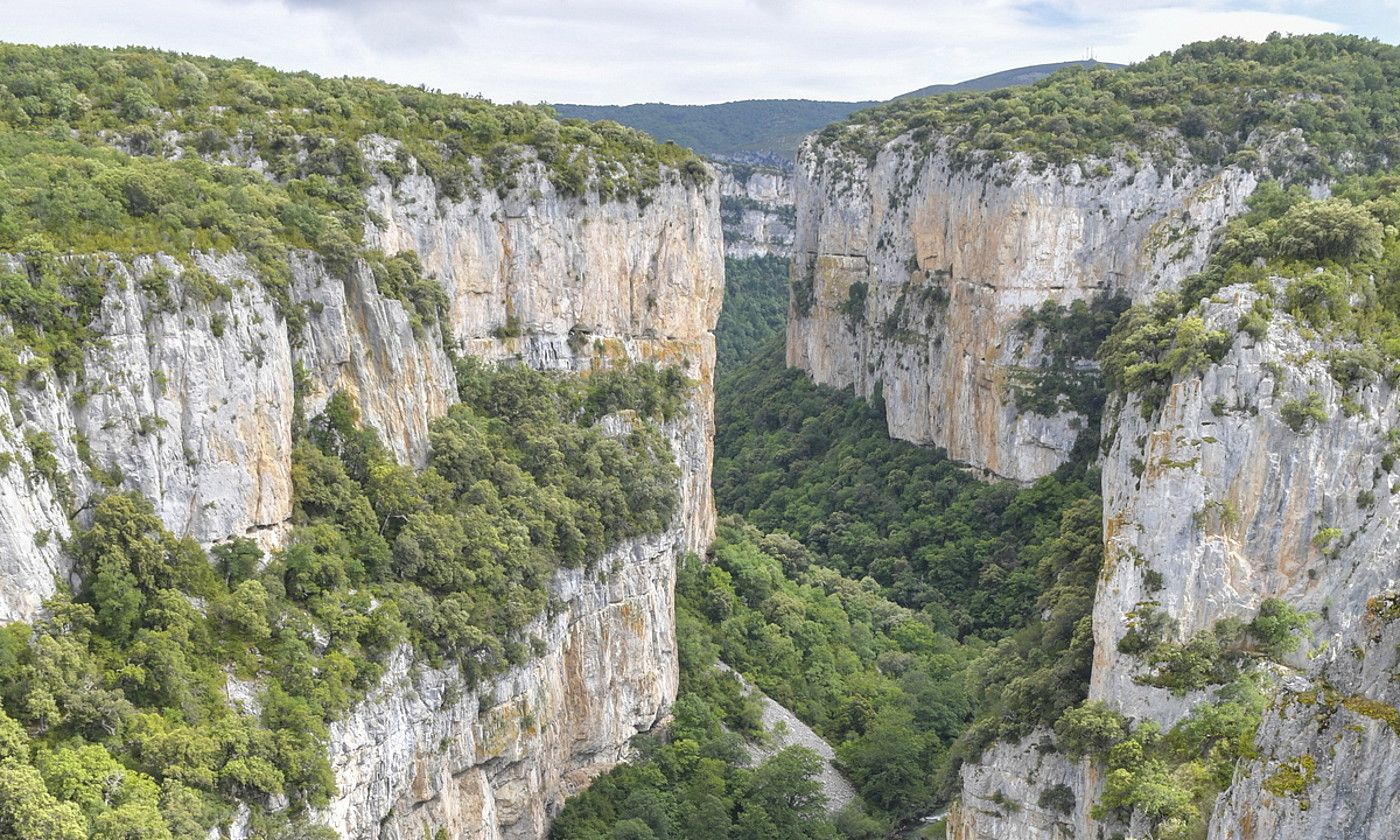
{"type": "Point", "coordinates": [302, 125]}
{"type": "Point", "coordinates": [130, 151]}
{"type": "Point", "coordinates": [1374, 709]}
{"type": "Point", "coordinates": [1004, 575]}
{"type": "Point", "coordinates": [1171, 780]}
{"type": "Point", "coordinates": [1215, 655]}
{"type": "Point", "coordinates": [755, 307]}
{"type": "Point", "coordinates": [1205, 102]}
{"type": "Point", "coordinates": [817, 463]}
{"type": "Point", "coordinates": [873, 678]}
{"type": "Point", "coordinates": [120, 692]}
{"type": "Point", "coordinates": [1293, 778]}
{"type": "Point", "coordinates": [1067, 377]}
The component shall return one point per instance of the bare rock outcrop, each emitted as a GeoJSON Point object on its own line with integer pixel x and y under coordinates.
{"type": "Point", "coordinates": [190, 399]}
{"type": "Point", "coordinates": [912, 272]}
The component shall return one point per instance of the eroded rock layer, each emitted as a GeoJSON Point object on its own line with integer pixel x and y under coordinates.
{"type": "Point", "coordinates": [192, 402]}
{"type": "Point", "coordinates": [911, 272]}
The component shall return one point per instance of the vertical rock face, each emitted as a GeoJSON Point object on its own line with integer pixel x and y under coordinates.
{"type": "Point", "coordinates": [1229, 503]}
{"type": "Point", "coordinates": [912, 271]}
{"type": "Point", "coordinates": [756, 206]}
{"type": "Point", "coordinates": [196, 418]}
{"type": "Point", "coordinates": [1021, 792]}
{"type": "Point", "coordinates": [910, 276]}
{"type": "Point", "coordinates": [572, 284]}
{"type": "Point", "coordinates": [1342, 739]}
{"type": "Point", "coordinates": [1214, 502]}
{"type": "Point", "coordinates": [363, 343]}
{"type": "Point", "coordinates": [498, 762]}
{"type": "Point", "coordinates": [560, 285]}
{"type": "Point", "coordinates": [191, 402]}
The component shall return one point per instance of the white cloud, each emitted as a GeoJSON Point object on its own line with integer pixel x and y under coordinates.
{"type": "Point", "coordinates": [599, 51]}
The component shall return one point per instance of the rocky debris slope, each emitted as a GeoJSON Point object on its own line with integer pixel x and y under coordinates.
{"type": "Point", "coordinates": [912, 271]}
{"type": "Point", "coordinates": [192, 402]}
{"type": "Point", "coordinates": [785, 730]}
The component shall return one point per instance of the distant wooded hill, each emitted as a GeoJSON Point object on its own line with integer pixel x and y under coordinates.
{"type": "Point", "coordinates": [760, 128]}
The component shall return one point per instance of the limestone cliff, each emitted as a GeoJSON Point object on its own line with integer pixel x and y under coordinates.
{"type": "Point", "coordinates": [1236, 501]}
{"type": "Point", "coordinates": [498, 762]}
{"type": "Point", "coordinates": [1340, 733]}
{"type": "Point", "coordinates": [1214, 501]}
{"type": "Point", "coordinates": [911, 272]}
{"type": "Point", "coordinates": [1002, 794]}
{"type": "Point", "coordinates": [756, 206]}
{"type": "Point", "coordinates": [1229, 503]}
{"type": "Point", "coordinates": [191, 401]}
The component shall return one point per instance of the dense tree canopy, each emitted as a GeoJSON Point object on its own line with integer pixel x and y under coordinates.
{"type": "Point", "coordinates": [755, 307]}
{"type": "Point", "coordinates": [819, 465]}
{"type": "Point", "coordinates": [304, 126]}
{"type": "Point", "coordinates": [116, 703]}
{"type": "Point", "coordinates": [1208, 101]}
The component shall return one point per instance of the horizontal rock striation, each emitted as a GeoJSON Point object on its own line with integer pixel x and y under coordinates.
{"type": "Point", "coordinates": [756, 206]}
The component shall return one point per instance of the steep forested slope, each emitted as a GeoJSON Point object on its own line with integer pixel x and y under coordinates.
{"type": "Point", "coordinates": [252, 478]}
{"type": "Point", "coordinates": [755, 308]}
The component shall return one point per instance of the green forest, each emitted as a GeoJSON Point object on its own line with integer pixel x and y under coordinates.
{"type": "Point", "coordinates": [909, 621]}
{"type": "Point", "coordinates": [755, 307]}
{"type": "Point", "coordinates": [115, 722]}
{"type": "Point", "coordinates": [1206, 102]}
{"type": "Point", "coordinates": [911, 612]}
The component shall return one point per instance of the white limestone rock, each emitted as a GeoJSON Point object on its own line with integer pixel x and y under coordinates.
{"type": "Point", "coordinates": [952, 254]}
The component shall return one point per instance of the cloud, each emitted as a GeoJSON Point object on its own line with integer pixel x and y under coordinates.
{"type": "Point", "coordinates": [695, 51]}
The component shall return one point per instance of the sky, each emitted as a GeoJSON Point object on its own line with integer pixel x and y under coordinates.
{"type": "Point", "coordinates": [678, 51]}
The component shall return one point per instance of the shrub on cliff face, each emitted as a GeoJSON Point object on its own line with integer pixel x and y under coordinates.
{"type": "Point", "coordinates": [1213, 655]}
{"type": "Point", "coordinates": [1331, 229]}
{"type": "Point", "coordinates": [1090, 729]}
{"type": "Point", "coordinates": [1170, 781]}
{"type": "Point", "coordinates": [854, 307]}
{"type": "Point", "coordinates": [1153, 344]}
{"type": "Point", "coordinates": [1305, 414]}
{"type": "Point", "coordinates": [1279, 628]}
{"type": "Point", "coordinates": [1072, 336]}
{"type": "Point", "coordinates": [127, 680]}
{"type": "Point", "coordinates": [1338, 261]}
